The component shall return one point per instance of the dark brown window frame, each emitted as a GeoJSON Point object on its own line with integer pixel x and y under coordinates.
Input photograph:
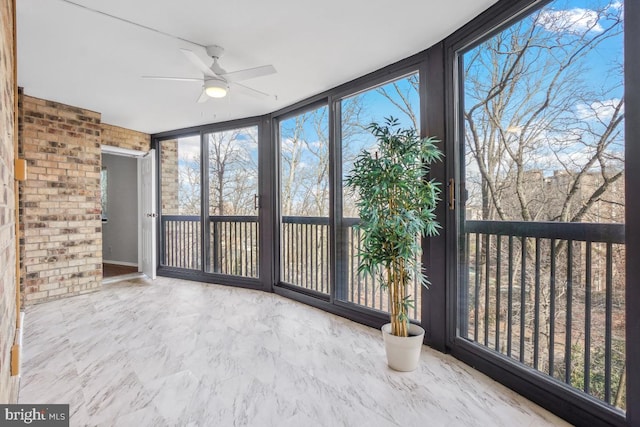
{"type": "Point", "coordinates": [438, 112]}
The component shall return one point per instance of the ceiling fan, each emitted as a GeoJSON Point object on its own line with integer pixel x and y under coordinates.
{"type": "Point", "coordinates": [215, 80]}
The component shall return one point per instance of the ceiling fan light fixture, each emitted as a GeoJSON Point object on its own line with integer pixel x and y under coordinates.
{"type": "Point", "coordinates": [216, 88]}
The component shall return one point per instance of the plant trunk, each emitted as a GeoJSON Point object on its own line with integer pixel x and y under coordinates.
{"type": "Point", "coordinates": [395, 278]}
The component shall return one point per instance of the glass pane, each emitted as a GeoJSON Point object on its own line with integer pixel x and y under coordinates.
{"type": "Point", "coordinates": [542, 260]}
{"type": "Point", "coordinates": [400, 99]}
{"type": "Point", "coordinates": [180, 199]}
{"type": "Point", "coordinates": [233, 185]}
{"type": "Point", "coordinates": [304, 195]}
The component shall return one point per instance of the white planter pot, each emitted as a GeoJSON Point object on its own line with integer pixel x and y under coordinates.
{"type": "Point", "coordinates": [403, 353]}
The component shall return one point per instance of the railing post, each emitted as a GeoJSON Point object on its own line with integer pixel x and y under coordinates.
{"type": "Point", "coordinates": [342, 262]}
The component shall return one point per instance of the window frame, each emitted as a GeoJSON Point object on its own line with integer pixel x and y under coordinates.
{"type": "Point", "coordinates": [557, 397]}
{"type": "Point", "coordinates": [439, 111]}
{"type": "Point", "coordinates": [261, 282]}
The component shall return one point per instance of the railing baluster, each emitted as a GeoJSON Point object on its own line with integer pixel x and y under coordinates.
{"type": "Point", "coordinates": [315, 255]}
{"type": "Point", "coordinates": [325, 261]}
{"type": "Point", "coordinates": [498, 265]}
{"type": "Point", "coordinates": [381, 294]}
{"type": "Point", "coordinates": [536, 309]}
{"type": "Point", "coordinates": [198, 245]}
{"type": "Point", "coordinates": [569, 314]}
{"type": "Point", "coordinates": [230, 247]}
{"type": "Point", "coordinates": [487, 278]}
{"type": "Point", "coordinates": [476, 299]}
{"type": "Point", "coordinates": [552, 306]}
{"type": "Point", "coordinates": [366, 286]}
{"type": "Point", "coordinates": [292, 267]}
{"type": "Point", "coordinates": [296, 238]}
{"type": "Point", "coordinates": [307, 266]}
{"type": "Point", "coordinates": [284, 252]}
{"type": "Point", "coordinates": [181, 245]}
{"type": "Point", "coordinates": [168, 251]}
{"type": "Point", "coordinates": [256, 228]}
{"type": "Point", "coordinates": [234, 252]}
{"type": "Point", "coordinates": [608, 322]}
{"type": "Point", "coordinates": [242, 244]}
{"type": "Point", "coordinates": [417, 312]}
{"type": "Point", "coordinates": [176, 248]}
{"type": "Point", "coordinates": [251, 240]}
{"type": "Point", "coordinates": [510, 297]}
{"type": "Point", "coordinates": [587, 319]}
{"type": "Point", "coordinates": [193, 247]}
{"type": "Point", "coordinates": [172, 244]}
{"type": "Point", "coordinates": [246, 267]}
{"type": "Point", "coordinates": [240, 267]}
{"type": "Point", "coordinates": [523, 303]}
{"type": "Point", "coordinates": [305, 257]}
{"type": "Point", "coordinates": [357, 260]}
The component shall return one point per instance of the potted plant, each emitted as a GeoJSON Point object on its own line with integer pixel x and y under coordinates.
{"type": "Point", "coordinates": [396, 203]}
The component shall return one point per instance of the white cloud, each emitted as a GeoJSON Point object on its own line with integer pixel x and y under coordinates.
{"type": "Point", "coordinates": [598, 110]}
{"type": "Point", "coordinates": [189, 148]}
{"type": "Point", "coordinates": [576, 20]}
{"type": "Point", "coordinates": [616, 5]}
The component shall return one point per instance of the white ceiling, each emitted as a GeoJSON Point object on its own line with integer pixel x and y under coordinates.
{"type": "Point", "coordinates": [72, 55]}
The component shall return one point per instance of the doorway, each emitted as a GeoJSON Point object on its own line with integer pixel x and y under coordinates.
{"type": "Point", "coordinates": [120, 214]}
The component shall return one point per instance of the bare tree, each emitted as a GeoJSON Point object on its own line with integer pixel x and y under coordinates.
{"type": "Point", "coordinates": [233, 171]}
{"type": "Point", "coordinates": [527, 105]}
{"type": "Point", "coordinates": [402, 96]}
{"type": "Point", "coordinates": [544, 142]}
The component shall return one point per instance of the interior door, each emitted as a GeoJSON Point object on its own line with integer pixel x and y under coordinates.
{"type": "Point", "coordinates": [147, 212]}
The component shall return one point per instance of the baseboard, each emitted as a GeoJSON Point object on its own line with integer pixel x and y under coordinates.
{"type": "Point", "coordinates": [125, 263]}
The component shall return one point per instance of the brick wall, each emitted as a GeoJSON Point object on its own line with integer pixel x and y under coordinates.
{"type": "Point", "coordinates": [8, 384]}
{"type": "Point", "coordinates": [125, 138]}
{"type": "Point", "coordinates": [169, 177]}
{"type": "Point", "coordinates": [60, 201]}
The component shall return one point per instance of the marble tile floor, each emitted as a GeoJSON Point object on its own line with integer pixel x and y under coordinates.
{"type": "Point", "coordinates": [179, 353]}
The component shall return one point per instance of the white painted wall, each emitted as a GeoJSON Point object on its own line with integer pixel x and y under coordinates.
{"type": "Point", "coordinates": [120, 232]}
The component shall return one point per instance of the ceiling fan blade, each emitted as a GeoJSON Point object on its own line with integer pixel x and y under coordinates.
{"type": "Point", "coordinates": [198, 62]}
{"type": "Point", "coordinates": [179, 79]}
{"type": "Point", "coordinates": [249, 73]}
{"type": "Point", "coordinates": [203, 97]}
{"type": "Point", "coordinates": [251, 91]}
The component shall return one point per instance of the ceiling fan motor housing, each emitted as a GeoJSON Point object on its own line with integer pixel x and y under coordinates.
{"type": "Point", "coordinates": [215, 51]}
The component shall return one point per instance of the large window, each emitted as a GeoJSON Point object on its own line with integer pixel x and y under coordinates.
{"type": "Point", "coordinates": [180, 198]}
{"type": "Point", "coordinates": [400, 99]}
{"type": "Point", "coordinates": [529, 273]}
{"type": "Point", "coordinates": [232, 157]}
{"type": "Point", "coordinates": [304, 195]}
{"type": "Point", "coordinates": [542, 256]}
{"type": "Point", "coordinates": [209, 221]}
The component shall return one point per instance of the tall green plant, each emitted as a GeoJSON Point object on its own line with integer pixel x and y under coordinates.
{"type": "Point", "coordinates": [397, 205]}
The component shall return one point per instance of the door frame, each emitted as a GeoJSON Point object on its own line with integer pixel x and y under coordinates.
{"type": "Point", "coordinates": [137, 154]}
